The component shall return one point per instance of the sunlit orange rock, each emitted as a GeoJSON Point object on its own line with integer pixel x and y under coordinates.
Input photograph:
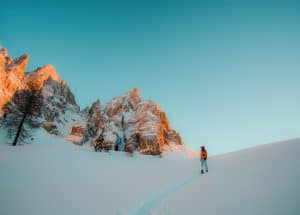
{"type": "Point", "coordinates": [12, 75]}
{"type": "Point", "coordinates": [36, 79]}
{"type": "Point", "coordinates": [141, 125]}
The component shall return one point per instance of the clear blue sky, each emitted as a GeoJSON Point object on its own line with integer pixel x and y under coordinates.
{"type": "Point", "coordinates": [227, 73]}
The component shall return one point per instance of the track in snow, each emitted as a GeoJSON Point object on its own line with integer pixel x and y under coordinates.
{"type": "Point", "coordinates": [145, 207]}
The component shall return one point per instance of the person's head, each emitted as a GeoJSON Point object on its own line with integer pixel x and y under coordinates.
{"type": "Point", "coordinates": [202, 148]}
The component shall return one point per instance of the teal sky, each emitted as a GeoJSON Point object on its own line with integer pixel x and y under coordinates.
{"type": "Point", "coordinates": [227, 73]}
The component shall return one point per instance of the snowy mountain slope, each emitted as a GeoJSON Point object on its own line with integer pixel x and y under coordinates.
{"type": "Point", "coordinates": [51, 176]}
{"type": "Point", "coordinates": [260, 180]}
{"type": "Point", "coordinates": [54, 177]}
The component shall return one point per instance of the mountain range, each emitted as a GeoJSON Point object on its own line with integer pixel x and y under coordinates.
{"type": "Point", "coordinates": [125, 123]}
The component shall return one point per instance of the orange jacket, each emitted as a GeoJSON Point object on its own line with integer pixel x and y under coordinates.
{"type": "Point", "coordinates": [203, 154]}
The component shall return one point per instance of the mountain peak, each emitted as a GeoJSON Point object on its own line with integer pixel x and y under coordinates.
{"type": "Point", "coordinates": [124, 103]}
{"type": "Point", "coordinates": [3, 52]}
{"type": "Point", "coordinates": [135, 91]}
{"type": "Point", "coordinates": [37, 78]}
{"type": "Point", "coordinates": [16, 67]}
{"type": "Point", "coordinates": [14, 78]}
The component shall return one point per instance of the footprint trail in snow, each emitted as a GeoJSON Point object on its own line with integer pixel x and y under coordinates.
{"type": "Point", "coordinates": [145, 207]}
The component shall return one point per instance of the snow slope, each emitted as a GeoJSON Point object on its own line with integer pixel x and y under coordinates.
{"type": "Point", "coordinates": [51, 176]}
{"type": "Point", "coordinates": [261, 180]}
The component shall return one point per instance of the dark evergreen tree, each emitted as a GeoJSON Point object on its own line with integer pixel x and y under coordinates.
{"type": "Point", "coordinates": [22, 115]}
{"type": "Point", "coordinates": [118, 143]}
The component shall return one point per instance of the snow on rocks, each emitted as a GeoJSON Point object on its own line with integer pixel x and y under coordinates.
{"type": "Point", "coordinates": [126, 122]}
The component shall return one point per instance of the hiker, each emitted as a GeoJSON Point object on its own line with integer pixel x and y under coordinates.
{"type": "Point", "coordinates": [203, 158]}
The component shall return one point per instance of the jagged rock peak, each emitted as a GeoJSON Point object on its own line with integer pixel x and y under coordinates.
{"type": "Point", "coordinates": [124, 103]}
{"type": "Point", "coordinates": [21, 61]}
{"type": "Point", "coordinates": [16, 67]}
{"type": "Point", "coordinates": [5, 59]}
{"type": "Point", "coordinates": [133, 96]}
{"type": "Point", "coordinates": [135, 92]}
{"type": "Point", "coordinates": [47, 70]}
{"type": "Point", "coordinates": [95, 105]}
{"type": "Point", "coordinates": [12, 74]}
{"type": "Point", "coordinates": [4, 53]}
{"type": "Point", "coordinates": [37, 78]}
{"type": "Point", "coordinates": [13, 77]}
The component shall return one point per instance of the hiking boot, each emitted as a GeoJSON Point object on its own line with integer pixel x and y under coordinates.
{"type": "Point", "coordinates": [202, 172]}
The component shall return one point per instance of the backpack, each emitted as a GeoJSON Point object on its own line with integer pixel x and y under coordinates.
{"type": "Point", "coordinates": [203, 155]}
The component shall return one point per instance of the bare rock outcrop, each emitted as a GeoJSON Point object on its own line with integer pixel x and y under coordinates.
{"type": "Point", "coordinates": [94, 119]}
{"type": "Point", "coordinates": [50, 128]}
{"type": "Point", "coordinates": [12, 75]}
{"type": "Point", "coordinates": [133, 124]}
{"type": "Point", "coordinates": [59, 107]}
{"type": "Point", "coordinates": [77, 135]}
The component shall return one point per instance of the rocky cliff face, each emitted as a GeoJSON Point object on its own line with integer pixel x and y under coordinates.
{"type": "Point", "coordinates": [12, 75]}
{"type": "Point", "coordinates": [132, 123]}
{"type": "Point", "coordinates": [60, 108]}
{"type": "Point", "coordinates": [126, 123]}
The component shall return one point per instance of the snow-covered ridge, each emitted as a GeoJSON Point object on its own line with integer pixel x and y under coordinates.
{"type": "Point", "coordinates": [127, 123]}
